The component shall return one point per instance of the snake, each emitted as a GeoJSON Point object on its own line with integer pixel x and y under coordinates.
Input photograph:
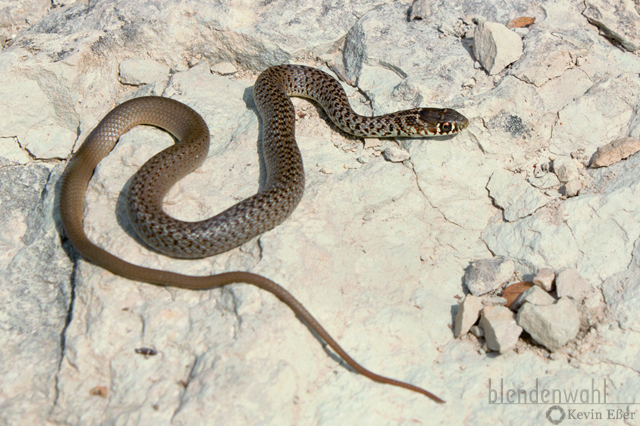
{"type": "Point", "coordinates": [252, 216]}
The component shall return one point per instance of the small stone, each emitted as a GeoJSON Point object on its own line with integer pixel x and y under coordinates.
{"type": "Point", "coordinates": [500, 328]}
{"type": "Point", "coordinates": [565, 168]}
{"type": "Point", "coordinates": [572, 188]}
{"type": "Point", "coordinates": [486, 275]}
{"type": "Point", "coordinates": [496, 46]}
{"type": "Point", "coordinates": [535, 295]}
{"type": "Point", "coordinates": [420, 10]}
{"type": "Point", "coordinates": [476, 331]}
{"type": "Point", "coordinates": [552, 325]}
{"type": "Point", "coordinates": [521, 22]}
{"type": "Point", "coordinates": [544, 278]}
{"type": "Point", "coordinates": [615, 151]}
{"type": "Point", "coordinates": [569, 283]}
{"type": "Point", "coordinates": [224, 68]}
{"type": "Point", "coordinates": [396, 155]}
{"type": "Point", "coordinates": [468, 314]}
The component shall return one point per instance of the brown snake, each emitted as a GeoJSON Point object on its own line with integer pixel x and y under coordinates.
{"type": "Point", "coordinates": [252, 216]}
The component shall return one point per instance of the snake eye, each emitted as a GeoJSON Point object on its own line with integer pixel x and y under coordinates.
{"type": "Point", "coordinates": [446, 127]}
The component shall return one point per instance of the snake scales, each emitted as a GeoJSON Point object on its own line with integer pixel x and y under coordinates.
{"type": "Point", "coordinates": [251, 217]}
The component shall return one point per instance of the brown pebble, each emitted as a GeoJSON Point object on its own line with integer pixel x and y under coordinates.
{"type": "Point", "coordinates": [100, 391]}
{"type": "Point", "coordinates": [512, 292]}
{"type": "Point", "coordinates": [615, 151]}
{"type": "Point", "coordinates": [521, 22]}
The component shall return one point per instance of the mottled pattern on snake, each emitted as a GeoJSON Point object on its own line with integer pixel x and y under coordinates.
{"type": "Point", "coordinates": [285, 173]}
{"type": "Point", "coordinates": [281, 194]}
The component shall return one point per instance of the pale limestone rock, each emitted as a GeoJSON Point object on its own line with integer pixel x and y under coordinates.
{"type": "Point", "coordinates": [572, 188]}
{"type": "Point", "coordinates": [224, 68]}
{"type": "Point", "coordinates": [420, 10]}
{"type": "Point", "coordinates": [496, 46]}
{"type": "Point", "coordinates": [544, 181]}
{"type": "Point", "coordinates": [615, 151]}
{"type": "Point", "coordinates": [574, 235]}
{"type": "Point", "coordinates": [138, 71]}
{"type": "Point", "coordinates": [43, 128]}
{"type": "Point", "coordinates": [468, 314]}
{"type": "Point", "coordinates": [477, 331]}
{"type": "Point", "coordinates": [396, 155]}
{"type": "Point", "coordinates": [485, 275]}
{"type": "Point", "coordinates": [15, 16]}
{"type": "Point", "coordinates": [580, 122]}
{"type": "Point", "coordinates": [500, 328]}
{"type": "Point", "coordinates": [373, 251]}
{"type": "Point", "coordinates": [535, 295]}
{"type": "Point", "coordinates": [544, 278]}
{"type": "Point", "coordinates": [569, 283]}
{"type": "Point", "coordinates": [565, 168]}
{"type": "Point", "coordinates": [622, 293]}
{"type": "Point", "coordinates": [619, 20]}
{"type": "Point", "coordinates": [550, 325]}
{"type": "Point", "coordinates": [514, 195]}
{"type": "Point", "coordinates": [11, 153]}
{"type": "Point", "coordinates": [491, 300]}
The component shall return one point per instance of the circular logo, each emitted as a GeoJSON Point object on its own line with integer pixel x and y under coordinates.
{"type": "Point", "coordinates": [555, 415]}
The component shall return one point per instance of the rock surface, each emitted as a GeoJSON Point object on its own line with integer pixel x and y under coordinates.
{"type": "Point", "coordinates": [500, 328]}
{"type": "Point", "coordinates": [514, 195]}
{"type": "Point", "coordinates": [550, 325]}
{"type": "Point", "coordinates": [487, 275]}
{"type": "Point", "coordinates": [496, 46]}
{"type": "Point", "coordinates": [569, 283]}
{"type": "Point", "coordinates": [565, 168]}
{"type": "Point", "coordinates": [468, 314]}
{"type": "Point", "coordinates": [544, 278]}
{"type": "Point", "coordinates": [376, 250]}
{"type": "Point", "coordinates": [615, 151]}
{"type": "Point", "coordinates": [535, 295]}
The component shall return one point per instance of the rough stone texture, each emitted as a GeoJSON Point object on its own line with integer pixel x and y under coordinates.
{"type": "Point", "coordinates": [136, 71]}
{"type": "Point", "coordinates": [535, 295]}
{"type": "Point", "coordinates": [569, 283]}
{"type": "Point", "coordinates": [376, 250]}
{"type": "Point", "coordinates": [224, 68]}
{"type": "Point", "coordinates": [420, 10]}
{"type": "Point", "coordinates": [571, 188]}
{"type": "Point", "coordinates": [622, 293]}
{"type": "Point", "coordinates": [36, 290]}
{"type": "Point", "coordinates": [514, 195]}
{"type": "Point", "coordinates": [550, 325]}
{"type": "Point", "coordinates": [544, 278]}
{"type": "Point", "coordinates": [500, 328]}
{"type": "Point", "coordinates": [496, 46]}
{"type": "Point", "coordinates": [615, 151]}
{"type": "Point", "coordinates": [619, 20]}
{"type": "Point", "coordinates": [396, 155]}
{"type": "Point", "coordinates": [468, 313]}
{"type": "Point", "coordinates": [565, 168]}
{"type": "Point", "coordinates": [612, 101]}
{"type": "Point", "coordinates": [486, 275]}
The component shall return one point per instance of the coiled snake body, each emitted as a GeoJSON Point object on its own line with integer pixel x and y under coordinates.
{"type": "Point", "coordinates": [251, 217]}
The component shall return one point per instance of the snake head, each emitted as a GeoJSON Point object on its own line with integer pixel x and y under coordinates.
{"type": "Point", "coordinates": [439, 122]}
